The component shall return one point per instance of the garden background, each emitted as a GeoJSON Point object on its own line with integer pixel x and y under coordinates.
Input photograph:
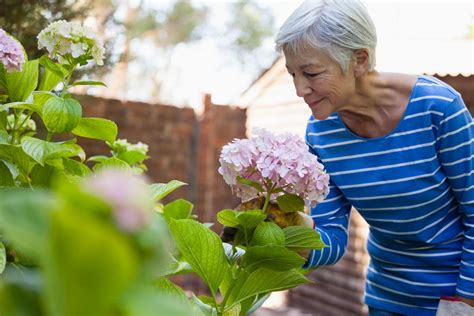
{"type": "Point", "coordinates": [186, 132]}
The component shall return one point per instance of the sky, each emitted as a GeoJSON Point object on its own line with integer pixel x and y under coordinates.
{"type": "Point", "coordinates": [204, 67]}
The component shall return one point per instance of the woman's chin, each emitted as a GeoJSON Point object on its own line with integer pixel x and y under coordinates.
{"type": "Point", "coordinates": [320, 115]}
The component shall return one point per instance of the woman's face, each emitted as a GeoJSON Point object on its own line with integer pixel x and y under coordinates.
{"type": "Point", "coordinates": [321, 82]}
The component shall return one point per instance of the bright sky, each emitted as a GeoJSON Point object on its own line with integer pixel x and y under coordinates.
{"type": "Point", "coordinates": [204, 67]}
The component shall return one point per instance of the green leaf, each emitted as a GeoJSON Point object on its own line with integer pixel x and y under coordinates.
{"type": "Point", "coordinates": [19, 105]}
{"type": "Point", "coordinates": [268, 233]}
{"type": "Point", "coordinates": [40, 98]}
{"type": "Point", "coordinates": [178, 209]}
{"type": "Point", "coordinates": [53, 67]}
{"type": "Point", "coordinates": [88, 83]}
{"type": "Point", "coordinates": [20, 292]}
{"type": "Point", "coordinates": [24, 218]}
{"type": "Point", "coordinates": [61, 115]}
{"type": "Point", "coordinates": [233, 311]}
{"type": "Point", "coordinates": [98, 158]}
{"type": "Point", "coordinates": [97, 128]}
{"type": "Point", "coordinates": [6, 177]}
{"type": "Point", "coordinates": [112, 162]}
{"type": "Point", "coordinates": [170, 290]}
{"type": "Point", "coordinates": [249, 220]}
{"type": "Point", "coordinates": [160, 190]}
{"type": "Point", "coordinates": [300, 237]}
{"type": "Point", "coordinates": [89, 261]}
{"type": "Point", "coordinates": [16, 156]}
{"type": "Point", "coordinates": [41, 150]}
{"type": "Point", "coordinates": [202, 249]}
{"type": "Point", "coordinates": [273, 257]}
{"type": "Point", "coordinates": [132, 156]}
{"type": "Point", "coordinates": [3, 257]}
{"type": "Point", "coordinates": [228, 218]}
{"type": "Point", "coordinates": [75, 168]}
{"type": "Point", "coordinates": [4, 137]}
{"type": "Point", "coordinates": [43, 176]}
{"type": "Point", "coordinates": [49, 80]}
{"type": "Point", "coordinates": [264, 281]}
{"type": "Point", "coordinates": [206, 309]}
{"type": "Point", "coordinates": [289, 203]}
{"type": "Point", "coordinates": [254, 184]}
{"type": "Point", "coordinates": [20, 84]}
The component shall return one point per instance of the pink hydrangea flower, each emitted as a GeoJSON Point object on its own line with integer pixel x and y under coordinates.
{"type": "Point", "coordinates": [127, 194]}
{"type": "Point", "coordinates": [12, 55]}
{"type": "Point", "coordinates": [284, 159]}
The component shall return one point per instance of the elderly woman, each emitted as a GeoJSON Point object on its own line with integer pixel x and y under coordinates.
{"type": "Point", "coordinates": [399, 148]}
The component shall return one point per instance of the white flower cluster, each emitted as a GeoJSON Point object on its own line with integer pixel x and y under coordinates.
{"type": "Point", "coordinates": [64, 39]}
{"type": "Point", "coordinates": [283, 159]}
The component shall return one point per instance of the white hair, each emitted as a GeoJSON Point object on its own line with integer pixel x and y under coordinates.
{"type": "Point", "coordinates": [337, 27]}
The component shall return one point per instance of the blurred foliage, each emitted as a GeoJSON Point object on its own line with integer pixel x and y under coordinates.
{"type": "Point", "coordinates": [250, 25]}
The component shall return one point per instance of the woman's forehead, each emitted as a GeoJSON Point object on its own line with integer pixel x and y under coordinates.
{"type": "Point", "coordinates": [309, 58]}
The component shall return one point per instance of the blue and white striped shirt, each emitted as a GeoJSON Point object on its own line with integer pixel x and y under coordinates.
{"type": "Point", "coordinates": [415, 189]}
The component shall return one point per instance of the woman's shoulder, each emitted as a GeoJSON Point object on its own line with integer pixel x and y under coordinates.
{"type": "Point", "coordinates": [431, 86]}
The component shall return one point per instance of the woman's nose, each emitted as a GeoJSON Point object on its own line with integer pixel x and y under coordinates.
{"type": "Point", "coordinates": [302, 86]}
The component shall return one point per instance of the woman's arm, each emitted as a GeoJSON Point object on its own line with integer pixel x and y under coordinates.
{"type": "Point", "coordinates": [332, 220]}
{"type": "Point", "coordinates": [455, 144]}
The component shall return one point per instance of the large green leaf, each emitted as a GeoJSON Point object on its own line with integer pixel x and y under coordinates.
{"type": "Point", "coordinates": [61, 115]}
{"type": "Point", "coordinates": [20, 84]}
{"type": "Point", "coordinates": [274, 257]}
{"type": "Point", "coordinates": [263, 281]}
{"type": "Point", "coordinates": [6, 177]}
{"type": "Point", "coordinates": [178, 209]}
{"type": "Point", "coordinates": [300, 237]}
{"type": "Point", "coordinates": [268, 233]}
{"type": "Point", "coordinates": [41, 150]}
{"type": "Point", "coordinates": [24, 218]}
{"type": "Point", "coordinates": [96, 128]}
{"type": "Point", "coordinates": [89, 266]}
{"type": "Point", "coordinates": [290, 203]}
{"type": "Point", "coordinates": [160, 190]}
{"type": "Point", "coordinates": [202, 249]}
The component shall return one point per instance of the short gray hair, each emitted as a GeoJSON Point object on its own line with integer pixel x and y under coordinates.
{"type": "Point", "coordinates": [337, 27]}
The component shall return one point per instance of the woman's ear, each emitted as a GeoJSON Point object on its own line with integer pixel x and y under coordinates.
{"type": "Point", "coordinates": [360, 58]}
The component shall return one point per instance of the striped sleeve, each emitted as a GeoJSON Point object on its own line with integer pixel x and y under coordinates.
{"type": "Point", "coordinates": [456, 153]}
{"type": "Point", "coordinates": [331, 219]}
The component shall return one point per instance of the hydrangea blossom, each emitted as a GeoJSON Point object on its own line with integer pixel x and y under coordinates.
{"type": "Point", "coordinates": [63, 39]}
{"type": "Point", "coordinates": [12, 55]}
{"type": "Point", "coordinates": [284, 159]}
{"type": "Point", "coordinates": [127, 194]}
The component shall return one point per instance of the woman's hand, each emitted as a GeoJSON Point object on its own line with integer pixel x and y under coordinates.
{"type": "Point", "coordinates": [469, 301]}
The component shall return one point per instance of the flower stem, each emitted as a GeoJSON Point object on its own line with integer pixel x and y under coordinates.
{"type": "Point", "coordinates": [66, 81]}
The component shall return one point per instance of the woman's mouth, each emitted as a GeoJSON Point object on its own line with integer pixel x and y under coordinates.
{"type": "Point", "coordinates": [314, 104]}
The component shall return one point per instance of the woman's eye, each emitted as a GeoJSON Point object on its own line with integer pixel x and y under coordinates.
{"type": "Point", "coordinates": [310, 75]}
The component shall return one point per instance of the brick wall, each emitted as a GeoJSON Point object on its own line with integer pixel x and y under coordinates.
{"type": "Point", "coordinates": [182, 146]}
